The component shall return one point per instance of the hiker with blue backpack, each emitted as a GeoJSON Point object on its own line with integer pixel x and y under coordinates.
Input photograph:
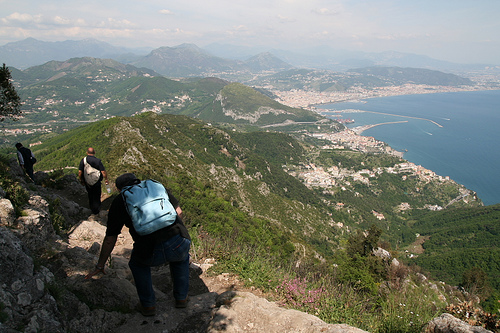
{"type": "Point", "coordinates": [153, 216]}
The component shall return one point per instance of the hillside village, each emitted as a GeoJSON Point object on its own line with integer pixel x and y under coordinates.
{"type": "Point", "coordinates": [335, 176]}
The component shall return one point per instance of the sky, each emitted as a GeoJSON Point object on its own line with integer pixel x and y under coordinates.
{"type": "Point", "coordinates": [461, 31]}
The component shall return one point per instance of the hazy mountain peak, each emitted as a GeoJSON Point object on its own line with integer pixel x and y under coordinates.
{"type": "Point", "coordinates": [266, 61]}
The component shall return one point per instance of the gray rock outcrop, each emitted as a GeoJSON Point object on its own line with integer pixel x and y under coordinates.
{"type": "Point", "coordinates": [446, 323]}
{"type": "Point", "coordinates": [245, 312]}
{"type": "Point", "coordinates": [24, 296]}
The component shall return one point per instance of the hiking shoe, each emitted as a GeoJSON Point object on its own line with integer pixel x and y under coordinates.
{"type": "Point", "coordinates": [146, 311]}
{"type": "Point", "coordinates": [181, 303]}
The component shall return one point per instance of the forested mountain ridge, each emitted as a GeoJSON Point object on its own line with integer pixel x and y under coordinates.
{"type": "Point", "coordinates": [185, 60]}
{"type": "Point", "coordinates": [399, 75]}
{"type": "Point", "coordinates": [160, 144]}
{"type": "Point", "coordinates": [189, 60]}
{"type": "Point", "coordinates": [240, 104]}
{"type": "Point", "coordinates": [460, 238]}
{"type": "Point", "coordinates": [366, 78]}
{"type": "Point", "coordinates": [96, 69]}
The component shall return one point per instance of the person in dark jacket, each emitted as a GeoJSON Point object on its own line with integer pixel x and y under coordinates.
{"type": "Point", "coordinates": [93, 190]}
{"type": "Point", "coordinates": [26, 159]}
{"type": "Point", "coordinates": [168, 245]}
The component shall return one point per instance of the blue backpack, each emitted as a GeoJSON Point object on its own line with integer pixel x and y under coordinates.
{"type": "Point", "coordinates": [149, 206]}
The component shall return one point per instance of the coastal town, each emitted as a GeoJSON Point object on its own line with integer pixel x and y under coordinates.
{"type": "Point", "coordinates": [318, 176]}
{"type": "Point", "coordinates": [312, 99]}
{"type": "Point", "coordinates": [343, 178]}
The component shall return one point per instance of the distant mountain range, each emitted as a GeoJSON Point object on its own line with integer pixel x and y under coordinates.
{"type": "Point", "coordinates": [189, 60]}
{"type": "Point", "coordinates": [367, 78]}
{"type": "Point", "coordinates": [399, 75]}
{"type": "Point", "coordinates": [328, 58]}
{"type": "Point", "coordinates": [214, 57]}
{"type": "Point", "coordinates": [31, 52]}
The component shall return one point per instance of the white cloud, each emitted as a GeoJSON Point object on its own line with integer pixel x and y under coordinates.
{"type": "Point", "coordinates": [286, 19]}
{"type": "Point", "coordinates": [117, 24]}
{"type": "Point", "coordinates": [17, 19]}
{"type": "Point", "coordinates": [62, 21]}
{"type": "Point", "coordinates": [326, 11]}
{"type": "Point", "coordinates": [165, 12]}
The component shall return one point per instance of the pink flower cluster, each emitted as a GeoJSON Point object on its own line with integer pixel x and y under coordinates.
{"type": "Point", "coordinates": [297, 294]}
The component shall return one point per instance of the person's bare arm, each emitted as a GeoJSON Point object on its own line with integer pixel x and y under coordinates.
{"type": "Point", "coordinates": [105, 176]}
{"type": "Point", "coordinates": [108, 244]}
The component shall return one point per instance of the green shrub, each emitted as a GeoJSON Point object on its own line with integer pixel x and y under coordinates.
{"type": "Point", "coordinates": [17, 195]}
{"type": "Point", "coordinates": [58, 221]}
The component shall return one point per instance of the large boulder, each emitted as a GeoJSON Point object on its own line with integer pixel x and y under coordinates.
{"type": "Point", "coordinates": [86, 234]}
{"type": "Point", "coordinates": [244, 311]}
{"type": "Point", "coordinates": [7, 212]}
{"type": "Point", "coordinates": [67, 197]}
{"type": "Point", "coordinates": [446, 323]}
{"type": "Point", "coordinates": [35, 227]}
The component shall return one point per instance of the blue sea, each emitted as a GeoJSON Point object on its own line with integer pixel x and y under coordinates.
{"type": "Point", "coordinates": [458, 135]}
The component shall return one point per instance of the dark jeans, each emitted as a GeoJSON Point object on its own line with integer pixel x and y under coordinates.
{"type": "Point", "coordinates": [94, 193]}
{"type": "Point", "coordinates": [174, 251]}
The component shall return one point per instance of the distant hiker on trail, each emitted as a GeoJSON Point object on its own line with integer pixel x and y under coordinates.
{"type": "Point", "coordinates": [26, 159]}
{"type": "Point", "coordinates": [91, 171]}
{"type": "Point", "coordinates": [168, 244]}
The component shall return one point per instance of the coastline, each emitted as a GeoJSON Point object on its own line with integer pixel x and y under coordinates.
{"type": "Point", "coordinates": [311, 100]}
{"type": "Point", "coordinates": [469, 121]}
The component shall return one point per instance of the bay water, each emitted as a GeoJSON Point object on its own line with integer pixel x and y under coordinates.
{"type": "Point", "coordinates": [454, 134]}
